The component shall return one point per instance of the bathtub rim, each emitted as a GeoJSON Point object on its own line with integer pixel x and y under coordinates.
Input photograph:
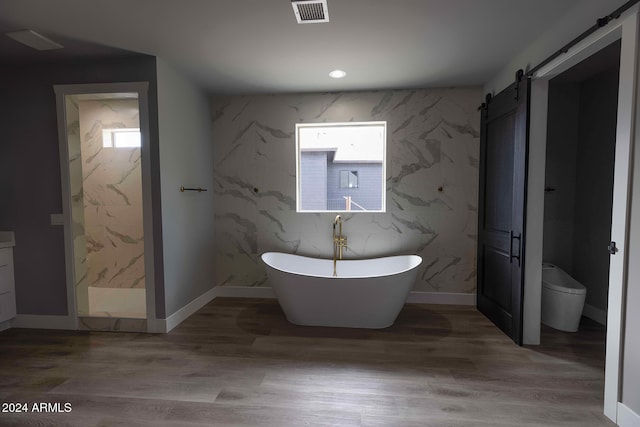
{"type": "Point", "coordinates": [416, 262]}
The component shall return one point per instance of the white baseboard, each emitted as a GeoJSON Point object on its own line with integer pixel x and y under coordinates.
{"type": "Point", "coordinates": [595, 314]}
{"type": "Point", "coordinates": [5, 325]}
{"type": "Point", "coordinates": [414, 297]}
{"type": "Point", "coordinates": [157, 326]}
{"type": "Point", "coordinates": [181, 315]}
{"type": "Point", "coordinates": [627, 417]}
{"type": "Point", "coordinates": [32, 321]}
{"type": "Point", "coordinates": [245, 291]}
{"type": "Point", "coordinates": [36, 321]}
{"type": "Point", "coordinates": [441, 298]}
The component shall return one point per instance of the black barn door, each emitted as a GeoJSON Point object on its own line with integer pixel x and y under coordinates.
{"type": "Point", "coordinates": [501, 211]}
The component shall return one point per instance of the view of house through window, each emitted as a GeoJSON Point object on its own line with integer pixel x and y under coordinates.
{"type": "Point", "coordinates": [348, 179]}
{"type": "Point", "coordinates": [341, 166]}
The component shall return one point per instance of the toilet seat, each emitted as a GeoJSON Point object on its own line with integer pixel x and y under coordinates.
{"type": "Point", "coordinates": [556, 279]}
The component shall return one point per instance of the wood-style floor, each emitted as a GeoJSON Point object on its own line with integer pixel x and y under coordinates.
{"type": "Point", "coordinates": [238, 362]}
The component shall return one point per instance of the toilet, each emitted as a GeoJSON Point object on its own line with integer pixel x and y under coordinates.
{"type": "Point", "coordinates": [562, 299]}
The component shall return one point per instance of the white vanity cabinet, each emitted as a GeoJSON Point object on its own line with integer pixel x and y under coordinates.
{"type": "Point", "coordinates": [7, 285]}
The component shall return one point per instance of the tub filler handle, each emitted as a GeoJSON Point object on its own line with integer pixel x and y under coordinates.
{"type": "Point", "coordinates": [511, 254]}
{"type": "Point", "coordinates": [339, 242]}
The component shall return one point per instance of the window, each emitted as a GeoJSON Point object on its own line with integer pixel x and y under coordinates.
{"type": "Point", "coordinates": [121, 138]}
{"type": "Point", "coordinates": [341, 167]}
{"type": "Point", "coordinates": [348, 179]}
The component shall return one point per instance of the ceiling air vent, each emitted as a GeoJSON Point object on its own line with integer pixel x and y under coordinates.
{"type": "Point", "coordinates": [310, 11]}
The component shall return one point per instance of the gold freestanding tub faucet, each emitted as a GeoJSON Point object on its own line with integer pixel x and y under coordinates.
{"type": "Point", "coordinates": [339, 242]}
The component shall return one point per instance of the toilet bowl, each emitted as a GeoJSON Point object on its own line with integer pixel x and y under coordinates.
{"type": "Point", "coordinates": [562, 299]}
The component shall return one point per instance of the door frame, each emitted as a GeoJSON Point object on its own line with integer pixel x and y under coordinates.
{"type": "Point", "coordinates": [141, 88]}
{"type": "Point", "coordinates": [625, 28]}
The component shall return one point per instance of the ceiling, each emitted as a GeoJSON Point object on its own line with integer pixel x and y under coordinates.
{"type": "Point", "coordinates": [256, 46]}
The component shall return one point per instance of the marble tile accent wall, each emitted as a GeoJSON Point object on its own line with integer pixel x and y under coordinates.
{"type": "Point", "coordinates": [112, 197]}
{"type": "Point", "coordinates": [432, 142]}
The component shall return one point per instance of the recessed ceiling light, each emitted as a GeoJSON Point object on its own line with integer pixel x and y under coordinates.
{"type": "Point", "coordinates": [34, 40]}
{"type": "Point", "coordinates": [337, 74]}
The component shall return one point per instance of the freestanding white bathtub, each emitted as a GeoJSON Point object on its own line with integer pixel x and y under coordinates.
{"type": "Point", "coordinates": [365, 293]}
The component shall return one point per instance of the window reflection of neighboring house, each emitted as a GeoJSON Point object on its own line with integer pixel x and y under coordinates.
{"type": "Point", "coordinates": [341, 166]}
{"type": "Point", "coordinates": [329, 179]}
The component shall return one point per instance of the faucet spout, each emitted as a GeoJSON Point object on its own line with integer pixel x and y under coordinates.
{"type": "Point", "coordinates": [339, 242]}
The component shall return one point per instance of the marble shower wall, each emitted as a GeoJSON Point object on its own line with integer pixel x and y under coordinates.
{"type": "Point", "coordinates": [111, 196]}
{"type": "Point", "coordinates": [432, 142]}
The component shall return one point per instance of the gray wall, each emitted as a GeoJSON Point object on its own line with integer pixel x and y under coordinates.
{"type": "Point", "coordinates": [580, 161]}
{"type": "Point", "coordinates": [30, 186]}
{"type": "Point", "coordinates": [432, 141]}
{"type": "Point", "coordinates": [186, 157]}
{"type": "Point", "coordinates": [560, 174]}
{"type": "Point", "coordinates": [594, 189]}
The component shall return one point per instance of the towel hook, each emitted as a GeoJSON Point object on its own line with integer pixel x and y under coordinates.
{"type": "Point", "coordinates": [183, 189]}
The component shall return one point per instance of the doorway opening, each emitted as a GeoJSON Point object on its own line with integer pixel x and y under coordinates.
{"type": "Point", "coordinates": [578, 200]}
{"type": "Point", "coordinates": [624, 29]}
{"type": "Point", "coordinates": [103, 137]}
{"type": "Point", "coordinates": [106, 188]}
